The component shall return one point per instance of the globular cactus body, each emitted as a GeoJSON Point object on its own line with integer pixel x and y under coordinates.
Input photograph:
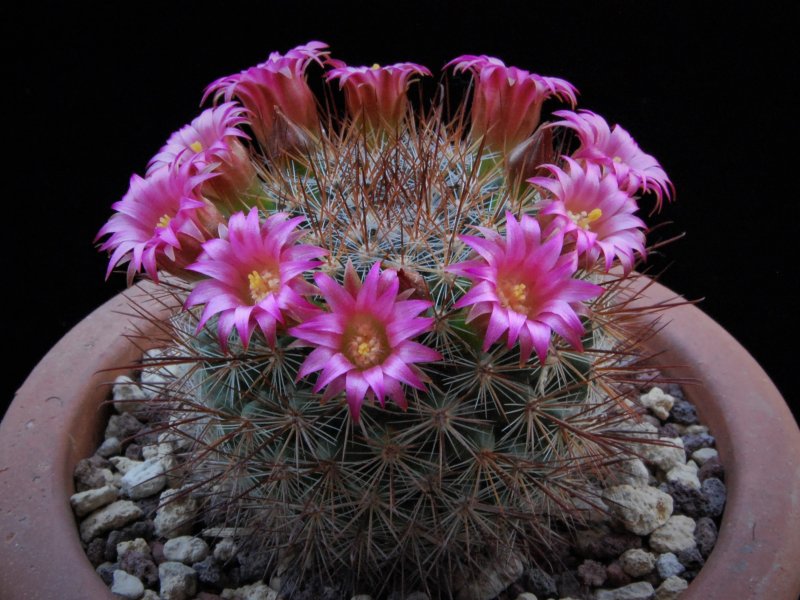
{"type": "Point", "coordinates": [510, 399]}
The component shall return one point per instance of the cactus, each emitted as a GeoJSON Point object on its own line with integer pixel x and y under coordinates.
{"type": "Point", "coordinates": [505, 412]}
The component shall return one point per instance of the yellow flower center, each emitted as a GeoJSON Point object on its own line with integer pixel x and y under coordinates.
{"type": "Point", "coordinates": [375, 66]}
{"type": "Point", "coordinates": [196, 146]}
{"type": "Point", "coordinates": [617, 159]}
{"type": "Point", "coordinates": [514, 295]}
{"type": "Point", "coordinates": [364, 342]}
{"type": "Point", "coordinates": [262, 284]}
{"type": "Point", "coordinates": [584, 219]}
{"type": "Point", "coordinates": [164, 221]}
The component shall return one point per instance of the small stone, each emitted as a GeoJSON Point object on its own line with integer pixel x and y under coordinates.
{"type": "Point", "coordinates": [665, 456]}
{"type": "Point", "coordinates": [123, 426]}
{"type": "Point", "coordinates": [671, 588]}
{"type": "Point", "coordinates": [144, 480]}
{"type": "Point", "coordinates": [641, 510]}
{"type": "Point", "coordinates": [592, 573]}
{"type": "Point", "coordinates": [85, 502]}
{"type": "Point", "coordinates": [127, 586]}
{"type": "Point", "coordinates": [225, 550]}
{"type": "Point", "coordinates": [151, 595]}
{"type": "Point", "coordinates": [658, 402]}
{"type": "Point", "coordinates": [693, 429]}
{"type": "Point", "coordinates": [106, 572]}
{"type": "Point", "coordinates": [701, 455]}
{"type": "Point", "coordinates": [361, 597]}
{"type": "Point", "coordinates": [540, 583]}
{"type": "Point", "coordinates": [123, 464]}
{"type": "Point", "coordinates": [133, 452]}
{"type": "Point", "coordinates": [137, 545]}
{"type": "Point", "coordinates": [637, 562]}
{"type": "Point", "coordinates": [526, 596]}
{"type": "Point", "coordinates": [178, 582]}
{"type": "Point", "coordinates": [127, 395]}
{"type": "Point", "coordinates": [683, 412]}
{"type": "Point", "coordinates": [691, 559]}
{"type": "Point", "coordinates": [493, 579]}
{"type": "Point", "coordinates": [715, 495]}
{"type": "Point", "coordinates": [696, 441]}
{"type": "Point", "coordinates": [641, 590]}
{"type": "Point", "coordinates": [109, 517]}
{"type": "Point", "coordinates": [705, 534]}
{"type": "Point", "coordinates": [175, 514]}
{"type": "Point", "coordinates": [668, 565]}
{"type": "Point", "coordinates": [711, 468]}
{"type": "Point", "coordinates": [185, 549]}
{"type": "Point", "coordinates": [617, 576]}
{"type": "Point", "coordinates": [256, 591]}
{"type": "Point", "coordinates": [95, 551]}
{"type": "Point", "coordinates": [209, 573]}
{"type": "Point", "coordinates": [615, 543]}
{"type": "Point", "coordinates": [685, 475]}
{"type": "Point", "coordinates": [140, 565]}
{"type": "Point", "coordinates": [110, 447]}
{"type": "Point", "coordinates": [687, 500]}
{"type": "Point", "coordinates": [675, 535]}
{"type": "Point", "coordinates": [157, 450]}
{"type": "Point", "coordinates": [89, 474]}
{"type": "Point", "coordinates": [418, 596]}
{"type": "Point", "coordinates": [630, 472]}
{"type": "Point", "coordinates": [670, 430]}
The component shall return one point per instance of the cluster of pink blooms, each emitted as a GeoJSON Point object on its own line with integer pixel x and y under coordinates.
{"type": "Point", "coordinates": [252, 272]}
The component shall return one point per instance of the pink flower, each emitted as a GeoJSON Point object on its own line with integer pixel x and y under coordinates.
{"type": "Point", "coordinates": [508, 101]}
{"type": "Point", "coordinates": [161, 222]}
{"type": "Point", "coordinates": [363, 345]}
{"type": "Point", "coordinates": [589, 205]}
{"type": "Point", "coordinates": [281, 105]}
{"type": "Point", "coordinates": [256, 276]}
{"type": "Point", "coordinates": [616, 150]}
{"type": "Point", "coordinates": [525, 284]}
{"type": "Point", "coordinates": [376, 93]}
{"type": "Point", "coordinates": [212, 143]}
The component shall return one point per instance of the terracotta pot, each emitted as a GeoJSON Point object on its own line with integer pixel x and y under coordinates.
{"type": "Point", "coordinates": [57, 419]}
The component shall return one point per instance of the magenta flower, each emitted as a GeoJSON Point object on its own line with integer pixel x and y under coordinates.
{"type": "Point", "coordinates": [282, 107]}
{"type": "Point", "coordinates": [589, 205]}
{"type": "Point", "coordinates": [363, 345]}
{"type": "Point", "coordinates": [617, 151]}
{"type": "Point", "coordinates": [256, 276]}
{"type": "Point", "coordinates": [212, 143]}
{"type": "Point", "coordinates": [507, 103]}
{"type": "Point", "coordinates": [161, 222]}
{"type": "Point", "coordinates": [525, 284]}
{"type": "Point", "coordinates": [377, 94]}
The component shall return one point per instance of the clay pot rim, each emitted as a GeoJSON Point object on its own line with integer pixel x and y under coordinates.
{"type": "Point", "coordinates": [47, 429]}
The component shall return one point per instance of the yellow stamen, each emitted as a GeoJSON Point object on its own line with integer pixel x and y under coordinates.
{"type": "Point", "coordinates": [584, 219]}
{"type": "Point", "coordinates": [196, 146]}
{"type": "Point", "coordinates": [262, 284]}
{"type": "Point", "coordinates": [617, 159]}
{"type": "Point", "coordinates": [375, 66]}
{"type": "Point", "coordinates": [164, 221]}
{"type": "Point", "coordinates": [514, 296]}
{"type": "Point", "coordinates": [365, 344]}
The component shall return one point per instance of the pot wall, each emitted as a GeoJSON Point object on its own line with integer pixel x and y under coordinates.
{"type": "Point", "coordinates": [57, 418]}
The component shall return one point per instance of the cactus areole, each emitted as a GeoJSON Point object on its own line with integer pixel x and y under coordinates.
{"type": "Point", "coordinates": [410, 331]}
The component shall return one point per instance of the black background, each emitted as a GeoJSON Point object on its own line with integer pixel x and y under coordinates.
{"type": "Point", "coordinates": [91, 93]}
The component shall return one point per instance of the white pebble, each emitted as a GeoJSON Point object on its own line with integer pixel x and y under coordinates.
{"type": "Point", "coordinates": [703, 455]}
{"type": "Point", "coordinates": [178, 582]}
{"type": "Point", "coordinates": [185, 549]}
{"type": "Point", "coordinates": [85, 502]}
{"type": "Point", "coordinates": [113, 516]}
{"type": "Point", "coordinates": [659, 402]}
{"type": "Point", "coordinates": [641, 510]}
{"type": "Point", "coordinates": [676, 535]}
{"type": "Point", "coordinates": [144, 480]}
{"type": "Point", "coordinates": [127, 585]}
{"type": "Point", "coordinates": [685, 475]}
